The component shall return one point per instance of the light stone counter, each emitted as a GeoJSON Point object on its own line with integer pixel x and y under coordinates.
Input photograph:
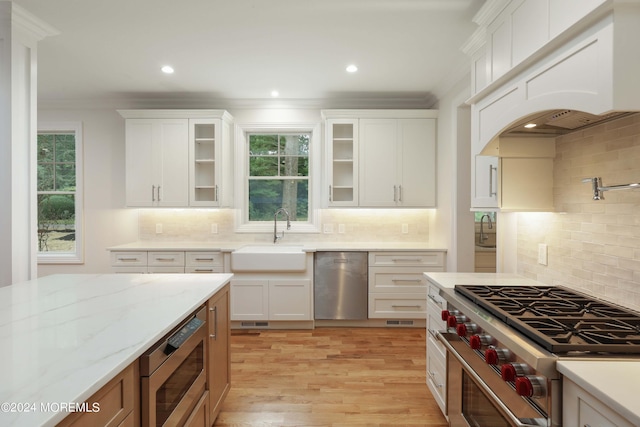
{"type": "Point", "coordinates": [307, 246]}
{"type": "Point", "coordinates": [614, 383]}
{"type": "Point", "coordinates": [65, 336]}
{"type": "Point", "coordinates": [449, 280]}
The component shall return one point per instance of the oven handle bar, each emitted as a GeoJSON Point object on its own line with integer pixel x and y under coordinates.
{"type": "Point", "coordinates": [514, 420]}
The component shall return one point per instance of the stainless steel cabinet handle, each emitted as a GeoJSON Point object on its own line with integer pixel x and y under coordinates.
{"type": "Point", "coordinates": [158, 193]}
{"type": "Point", "coordinates": [128, 259]}
{"type": "Point", "coordinates": [433, 378]}
{"type": "Point", "coordinates": [203, 270]}
{"type": "Point", "coordinates": [405, 306]}
{"type": "Point", "coordinates": [395, 193]}
{"type": "Point", "coordinates": [432, 298]}
{"type": "Point", "coordinates": [165, 259]}
{"type": "Point", "coordinates": [215, 195]}
{"type": "Point", "coordinates": [331, 193]}
{"type": "Point", "coordinates": [406, 259]}
{"type": "Point", "coordinates": [412, 281]}
{"type": "Point", "coordinates": [491, 169]}
{"type": "Point", "coordinates": [153, 193]}
{"type": "Point", "coordinates": [204, 259]}
{"type": "Point", "coordinates": [400, 193]}
{"type": "Point", "coordinates": [215, 323]}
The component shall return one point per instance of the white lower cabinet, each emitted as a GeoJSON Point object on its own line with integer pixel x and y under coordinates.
{"type": "Point", "coordinates": [581, 409]}
{"type": "Point", "coordinates": [158, 262]}
{"type": "Point", "coordinates": [397, 288]}
{"type": "Point", "coordinates": [274, 299]}
{"type": "Point", "coordinates": [436, 353]}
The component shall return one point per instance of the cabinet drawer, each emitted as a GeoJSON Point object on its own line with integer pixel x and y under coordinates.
{"type": "Point", "coordinates": [163, 270]}
{"type": "Point", "coordinates": [204, 259]}
{"type": "Point", "coordinates": [389, 279]}
{"type": "Point", "coordinates": [433, 293]}
{"type": "Point", "coordinates": [397, 306]}
{"type": "Point", "coordinates": [436, 379]}
{"type": "Point", "coordinates": [142, 269]}
{"type": "Point", "coordinates": [116, 400]}
{"type": "Point", "coordinates": [434, 345]}
{"type": "Point", "coordinates": [433, 260]}
{"type": "Point", "coordinates": [128, 258]}
{"type": "Point", "coordinates": [165, 259]}
{"type": "Point", "coordinates": [203, 269]}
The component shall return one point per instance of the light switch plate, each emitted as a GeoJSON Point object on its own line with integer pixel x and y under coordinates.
{"type": "Point", "coordinates": [158, 228]}
{"type": "Point", "coordinates": [327, 228]}
{"type": "Point", "coordinates": [405, 228]}
{"type": "Point", "coordinates": [214, 228]}
{"type": "Point", "coordinates": [543, 254]}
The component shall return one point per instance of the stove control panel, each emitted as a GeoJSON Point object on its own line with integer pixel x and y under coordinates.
{"type": "Point", "coordinates": [505, 363]}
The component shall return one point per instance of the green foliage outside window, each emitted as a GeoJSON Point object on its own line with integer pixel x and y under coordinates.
{"type": "Point", "coordinates": [56, 192]}
{"type": "Point", "coordinates": [278, 175]}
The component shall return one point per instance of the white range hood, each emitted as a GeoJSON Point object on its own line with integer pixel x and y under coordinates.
{"type": "Point", "coordinates": [585, 74]}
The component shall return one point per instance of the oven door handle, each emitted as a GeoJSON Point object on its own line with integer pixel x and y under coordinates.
{"type": "Point", "coordinates": [514, 420]}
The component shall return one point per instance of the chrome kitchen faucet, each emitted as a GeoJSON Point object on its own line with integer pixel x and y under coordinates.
{"type": "Point", "coordinates": [275, 224]}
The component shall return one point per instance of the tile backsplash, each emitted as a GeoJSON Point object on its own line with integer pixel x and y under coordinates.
{"type": "Point", "coordinates": [594, 246]}
{"type": "Point", "coordinates": [341, 225]}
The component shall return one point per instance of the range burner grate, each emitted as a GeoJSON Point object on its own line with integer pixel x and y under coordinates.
{"type": "Point", "coordinates": [559, 319]}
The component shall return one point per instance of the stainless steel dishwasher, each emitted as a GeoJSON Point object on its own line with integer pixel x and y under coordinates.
{"type": "Point", "coordinates": [340, 285]}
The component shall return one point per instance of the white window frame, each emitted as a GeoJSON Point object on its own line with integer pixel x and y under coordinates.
{"type": "Point", "coordinates": [76, 257]}
{"type": "Point", "coordinates": [241, 194]}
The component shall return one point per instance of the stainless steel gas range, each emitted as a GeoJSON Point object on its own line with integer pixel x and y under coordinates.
{"type": "Point", "coordinates": [503, 342]}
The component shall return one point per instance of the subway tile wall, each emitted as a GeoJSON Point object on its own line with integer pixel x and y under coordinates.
{"type": "Point", "coordinates": [594, 246]}
{"type": "Point", "coordinates": [359, 225]}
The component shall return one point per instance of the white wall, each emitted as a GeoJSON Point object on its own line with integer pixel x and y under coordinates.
{"type": "Point", "coordinates": [452, 224]}
{"type": "Point", "coordinates": [106, 221]}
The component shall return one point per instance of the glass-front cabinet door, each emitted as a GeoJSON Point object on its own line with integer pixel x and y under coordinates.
{"type": "Point", "coordinates": [204, 156]}
{"type": "Point", "coordinates": [342, 164]}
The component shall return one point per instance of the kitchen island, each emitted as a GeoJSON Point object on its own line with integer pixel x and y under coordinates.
{"type": "Point", "coordinates": [66, 336]}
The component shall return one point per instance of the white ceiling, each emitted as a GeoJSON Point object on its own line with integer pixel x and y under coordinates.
{"type": "Point", "coordinates": [407, 51]}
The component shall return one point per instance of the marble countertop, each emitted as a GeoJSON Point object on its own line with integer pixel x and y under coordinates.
{"type": "Point", "coordinates": [449, 280]}
{"type": "Point", "coordinates": [65, 336]}
{"type": "Point", "coordinates": [307, 246]}
{"type": "Point", "coordinates": [613, 382]}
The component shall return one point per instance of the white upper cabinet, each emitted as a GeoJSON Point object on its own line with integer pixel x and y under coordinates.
{"type": "Point", "coordinates": [156, 162]}
{"type": "Point", "coordinates": [207, 139]}
{"type": "Point", "coordinates": [342, 161]}
{"type": "Point", "coordinates": [381, 158]}
{"type": "Point", "coordinates": [174, 158]}
{"type": "Point", "coordinates": [514, 175]}
{"type": "Point", "coordinates": [397, 163]}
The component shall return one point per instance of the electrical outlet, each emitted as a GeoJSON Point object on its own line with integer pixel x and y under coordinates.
{"type": "Point", "coordinates": [543, 255]}
{"type": "Point", "coordinates": [341, 228]}
{"type": "Point", "coordinates": [214, 228]}
{"type": "Point", "coordinates": [405, 228]}
{"type": "Point", "coordinates": [327, 228]}
{"type": "Point", "coordinates": [158, 228]}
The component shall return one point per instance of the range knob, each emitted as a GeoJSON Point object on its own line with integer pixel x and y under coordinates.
{"type": "Point", "coordinates": [465, 328]}
{"type": "Point", "coordinates": [444, 314]}
{"type": "Point", "coordinates": [510, 371]}
{"type": "Point", "coordinates": [493, 356]}
{"type": "Point", "coordinates": [476, 342]}
{"type": "Point", "coordinates": [454, 320]}
{"type": "Point", "coordinates": [530, 386]}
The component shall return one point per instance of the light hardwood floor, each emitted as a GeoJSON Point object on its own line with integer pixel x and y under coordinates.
{"type": "Point", "coordinates": [329, 377]}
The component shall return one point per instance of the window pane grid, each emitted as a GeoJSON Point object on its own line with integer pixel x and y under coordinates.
{"type": "Point", "coordinates": [56, 192]}
{"type": "Point", "coordinates": [278, 175]}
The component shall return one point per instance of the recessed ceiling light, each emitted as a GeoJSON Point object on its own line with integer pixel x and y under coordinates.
{"type": "Point", "coordinates": [352, 68]}
{"type": "Point", "coordinates": [275, 94]}
{"type": "Point", "coordinates": [167, 69]}
{"type": "Point", "coordinates": [530, 125]}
